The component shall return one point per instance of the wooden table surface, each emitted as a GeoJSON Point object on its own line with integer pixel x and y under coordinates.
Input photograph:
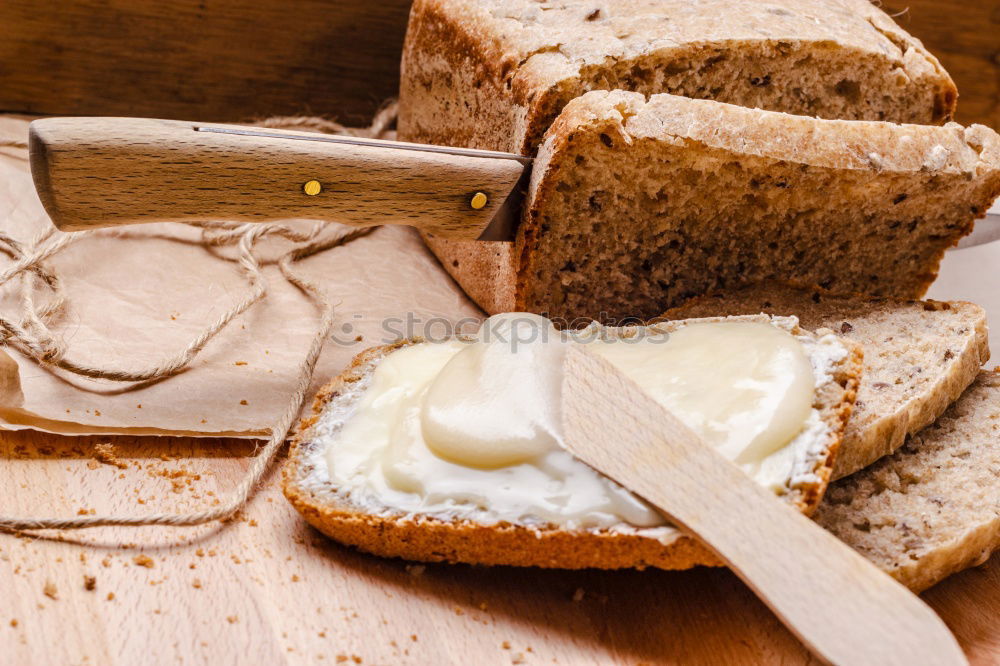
{"type": "Point", "coordinates": [267, 589]}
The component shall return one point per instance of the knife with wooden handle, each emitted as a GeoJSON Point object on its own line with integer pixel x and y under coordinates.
{"type": "Point", "coordinates": [102, 172]}
{"type": "Point", "coordinates": [835, 601]}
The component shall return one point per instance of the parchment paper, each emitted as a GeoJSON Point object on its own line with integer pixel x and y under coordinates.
{"type": "Point", "coordinates": [134, 301]}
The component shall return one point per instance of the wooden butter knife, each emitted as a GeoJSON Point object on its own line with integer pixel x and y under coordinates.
{"type": "Point", "coordinates": [837, 603]}
{"type": "Point", "coordinates": [100, 172]}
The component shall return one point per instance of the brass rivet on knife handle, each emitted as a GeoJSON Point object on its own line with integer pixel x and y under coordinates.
{"type": "Point", "coordinates": [102, 172]}
{"type": "Point", "coordinates": [478, 200]}
{"type": "Point", "coordinates": [839, 604]}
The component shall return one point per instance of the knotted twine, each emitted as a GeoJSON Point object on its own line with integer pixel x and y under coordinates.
{"type": "Point", "coordinates": [32, 337]}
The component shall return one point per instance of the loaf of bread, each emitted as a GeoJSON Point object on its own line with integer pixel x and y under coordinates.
{"type": "Point", "coordinates": [384, 530]}
{"type": "Point", "coordinates": [932, 508]}
{"type": "Point", "coordinates": [919, 356]}
{"type": "Point", "coordinates": [496, 74]}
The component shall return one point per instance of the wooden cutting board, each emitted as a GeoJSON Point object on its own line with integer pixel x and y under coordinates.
{"type": "Point", "coordinates": [267, 589]}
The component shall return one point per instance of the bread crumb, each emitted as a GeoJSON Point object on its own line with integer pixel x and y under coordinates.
{"type": "Point", "coordinates": [413, 637]}
{"type": "Point", "coordinates": [341, 658]}
{"type": "Point", "coordinates": [505, 645]}
{"type": "Point", "coordinates": [89, 583]}
{"type": "Point", "coordinates": [578, 594]}
{"type": "Point", "coordinates": [138, 406]}
{"type": "Point", "coordinates": [50, 590]}
{"type": "Point", "coordinates": [111, 596]}
{"type": "Point", "coordinates": [295, 578]}
{"type": "Point", "coordinates": [232, 619]}
{"type": "Point", "coordinates": [196, 583]}
{"type": "Point", "coordinates": [144, 560]}
{"type": "Point", "coordinates": [13, 623]}
{"type": "Point", "coordinates": [416, 570]}
{"type": "Point", "coordinates": [105, 453]}
{"type": "Point", "coordinates": [240, 363]}
{"type": "Point", "coordinates": [517, 658]}
{"type": "Point", "coordinates": [244, 402]}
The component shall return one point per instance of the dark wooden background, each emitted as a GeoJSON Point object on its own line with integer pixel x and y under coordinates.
{"type": "Point", "coordinates": [240, 59]}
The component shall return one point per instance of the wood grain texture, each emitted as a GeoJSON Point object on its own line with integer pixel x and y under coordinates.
{"type": "Point", "coordinates": [99, 172]}
{"type": "Point", "coordinates": [225, 60]}
{"type": "Point", "coordinates": [266, 588]}
{"type": "Point", "coordinates": [822, 590]}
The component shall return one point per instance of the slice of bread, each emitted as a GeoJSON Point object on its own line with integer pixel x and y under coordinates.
{"type": "Point", "coordinates": [636, 206]}
{"type": "Point", "coordinates": [387, 531]}
{"type": "Point", "coordinates": [932, 508]}
{"type": "Point", "coordinates": [919, 356]}
{"type": "Point", "coordinates": [495, 73]}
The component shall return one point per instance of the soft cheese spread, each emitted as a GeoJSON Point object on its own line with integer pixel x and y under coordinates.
{"type": "Point", "coordinates": [473, 428]}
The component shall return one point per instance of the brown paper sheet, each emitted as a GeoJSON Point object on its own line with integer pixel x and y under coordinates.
{"type": "Point", "coordinates": [133, 302]}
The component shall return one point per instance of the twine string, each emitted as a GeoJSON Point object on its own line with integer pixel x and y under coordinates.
{"type": "Point", "coordinates": [30, 334]}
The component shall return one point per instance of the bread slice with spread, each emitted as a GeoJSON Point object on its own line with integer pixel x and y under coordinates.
{"type": "Point", "coordinates": [364, 492]}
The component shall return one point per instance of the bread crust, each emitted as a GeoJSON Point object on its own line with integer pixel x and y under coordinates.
{"type": "Point", "coordinates": [429, 539]}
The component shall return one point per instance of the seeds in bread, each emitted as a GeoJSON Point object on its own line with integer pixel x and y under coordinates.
{"type": "Point", "coordinates": [932, 508]}
{"type": "Point", "coordinates": [468, 538]}
{"type": "Point", "coordinates": [919, 356]}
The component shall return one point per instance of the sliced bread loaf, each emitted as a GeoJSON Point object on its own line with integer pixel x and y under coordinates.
{"type": "Point", "coordinates": [919, 356]}
{"type": "Point", "coordinates": [466, 531]}
{"type": "Point", "coordinates": [932, 508]}
{"type": "Point", "coordinates": [495, 73]}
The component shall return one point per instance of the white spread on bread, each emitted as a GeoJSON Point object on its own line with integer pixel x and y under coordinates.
{"type": "Point", "coordinates": [471, 429]}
